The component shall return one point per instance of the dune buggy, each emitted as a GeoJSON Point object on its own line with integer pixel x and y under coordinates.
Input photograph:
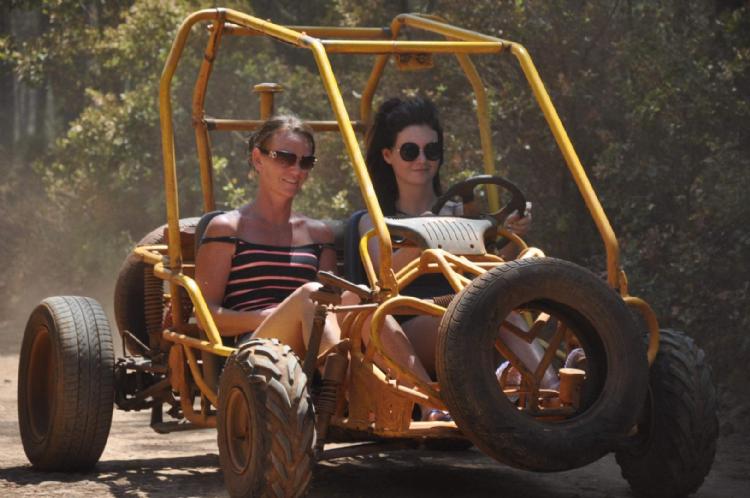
{"type": "Point", "coordinates": [644, 394]}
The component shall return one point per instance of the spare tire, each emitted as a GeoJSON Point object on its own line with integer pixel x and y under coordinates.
{"type": "Point", "coordinates": [575, 304]}
{"type": "Point", "coordinates": [130, 300]}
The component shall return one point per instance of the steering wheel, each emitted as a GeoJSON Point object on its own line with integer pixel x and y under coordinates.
{"type": "Point", "coordinates": [465, 189]}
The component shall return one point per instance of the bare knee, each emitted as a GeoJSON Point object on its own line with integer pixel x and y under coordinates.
{"type": "Point", "coordinates": [389, 333]}
{"type": "Point", "coordinates": [349, 298]}
{"type": "Point", "coordinates": [302, 294]}
{"type": "Point", "coordinates": [307, 289]}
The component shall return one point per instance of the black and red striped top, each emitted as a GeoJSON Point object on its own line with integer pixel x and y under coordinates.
{"type": "Point", "coordinates": [262, 276]}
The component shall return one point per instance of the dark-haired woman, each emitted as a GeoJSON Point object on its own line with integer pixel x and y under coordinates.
{"type": "Point", "coordinates": [257, 265]}
{"type": "Point", "coordinates": [404, 155]}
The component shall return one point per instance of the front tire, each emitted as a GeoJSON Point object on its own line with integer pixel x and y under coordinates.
{"type": "Point", "coordinates": [266, 425]}
{"type": "Point", "coordinates": [676, 441]}
{"type": "Point", "coordinates": [66, 384]}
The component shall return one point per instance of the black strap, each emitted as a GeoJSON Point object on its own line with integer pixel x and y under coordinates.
{"type": "Point", "coordinates": [225, 239]}
{"type": "Point", "coordinates": [233, 240]}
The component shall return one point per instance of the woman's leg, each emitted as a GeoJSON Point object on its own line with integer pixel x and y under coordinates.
{"type": "Point", "coordinates": [397, 346]}
{"type": "Point", "coordinates": [291, 322]}
{"type": "Point", "coordinates": [400, 349]}
{"type": "Point", "coordinates": [395, 343]}
{"type": "Point", "coordinates": [422, 333]}
{"type": "Point", "coordinates": [530, 354]}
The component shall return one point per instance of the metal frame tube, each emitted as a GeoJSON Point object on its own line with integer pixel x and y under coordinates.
{"type": "Point", "coordinates": [387, 277]}
{"type": "Point", "coordinates": [254, 124]}
{"type": "Point", "coordinates": [651, 322]}
{"type": "Point", "coordinates": [400, 47]}
{"type": "Point", "coordinates": [202, 140]}
{"type": "Point", "coordinates": [319, 32]}
{"type": "Point", "coordinates": [574, 164]}
{"type": "Point", "coordinates": [168, 152]}
{"type": "Point", "coordinates": [378, 320]}
{"type": "Point", "coordinates": [483, 117]}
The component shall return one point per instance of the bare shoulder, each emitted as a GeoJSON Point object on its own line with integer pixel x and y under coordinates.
{"type": "Point", "coordinates": [365, 224]}
{"type": "Point", "coordinates": [223, 225]}
{"type": "Point", "coordinates": [320, 232]}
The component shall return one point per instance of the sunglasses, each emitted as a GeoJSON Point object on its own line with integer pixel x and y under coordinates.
{"type": "Point", "coordinates": [410, 151]}
{"type": "Point", "coordinates": [289, 159]}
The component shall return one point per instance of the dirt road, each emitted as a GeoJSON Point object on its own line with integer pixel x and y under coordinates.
{"type": "Point", "coordinates": [139, 462]}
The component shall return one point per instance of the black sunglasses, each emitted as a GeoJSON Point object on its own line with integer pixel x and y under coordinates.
{"type": "Point", "coordinates": [289, 159]}
{"type": "Point", "coordinates": [410, 151]}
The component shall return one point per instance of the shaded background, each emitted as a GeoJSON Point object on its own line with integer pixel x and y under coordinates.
{"type": "Point", "coordinates": [655, 96]}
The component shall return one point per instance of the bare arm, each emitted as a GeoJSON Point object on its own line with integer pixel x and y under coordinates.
{"type": "Point", "coordinates": [323, 234]}
{"type": "Point", "coordinates": [212, 266]}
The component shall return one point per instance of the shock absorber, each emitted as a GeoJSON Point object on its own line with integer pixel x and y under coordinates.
{"type": "Point", "coordinates": [334, 371]}
{"type": "Point", "coordinates": [323, 297]}
{"type": "Point", "coordinates": [153, 304]}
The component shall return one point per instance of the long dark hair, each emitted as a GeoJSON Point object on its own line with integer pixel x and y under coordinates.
{"type": "Point", "coordinates": [288, 122]}
{"type": "Point", "coordinates": [393, 116]}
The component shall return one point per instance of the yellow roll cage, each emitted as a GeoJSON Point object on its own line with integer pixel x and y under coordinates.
{"type": "Point", "coordinates": [384, 43]}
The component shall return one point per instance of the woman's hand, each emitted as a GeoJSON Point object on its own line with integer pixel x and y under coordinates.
{"type": "Point", "coordinates": [518, 224]}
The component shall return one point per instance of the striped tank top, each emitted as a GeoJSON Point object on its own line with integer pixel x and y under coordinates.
{"type": "Point", "coordinates": [262, 276]}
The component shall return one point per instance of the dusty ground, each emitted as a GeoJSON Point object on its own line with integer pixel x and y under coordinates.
{"type": "Point", "coordinates": [139, 462]}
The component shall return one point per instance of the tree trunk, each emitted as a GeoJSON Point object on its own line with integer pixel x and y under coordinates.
{"type": "Point", "coordinates": [6, 90]}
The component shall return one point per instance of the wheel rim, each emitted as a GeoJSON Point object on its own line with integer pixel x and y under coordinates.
{"type": "Point", "coordinates": [238, 431]}
{"type": "Point", "coordinates": [40, 384]}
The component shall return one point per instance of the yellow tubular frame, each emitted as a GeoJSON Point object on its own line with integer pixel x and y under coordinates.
{"type": "Point", "coordinates": [202, 141]}
{"type": "Point", "coordinates": [382, 42]}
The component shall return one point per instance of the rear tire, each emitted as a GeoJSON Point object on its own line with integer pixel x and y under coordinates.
{"type": "Point", "coordinates": [580, 303]}
{"type": "Point", "coordinates": [676, 441]}
{"type": "Point", "coordinates": [66, 384]}
{"type": "Point", "coordinates": [130, 300]}
{"type": "Point", "coordinates": [266, 425]}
